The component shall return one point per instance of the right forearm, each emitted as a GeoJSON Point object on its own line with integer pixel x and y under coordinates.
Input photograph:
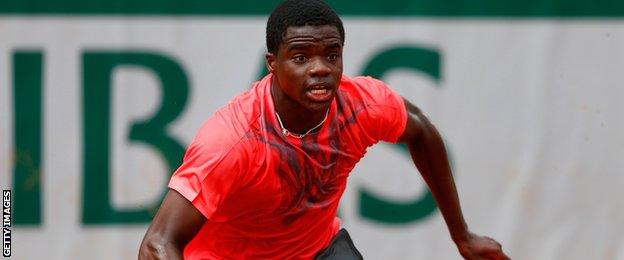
{"type": "Point", "coordinates": [167, 236]}
{"type": "Point", "coordinates": [154, 249]}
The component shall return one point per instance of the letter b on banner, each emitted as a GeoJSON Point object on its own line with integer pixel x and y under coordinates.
{"type": "Point", "coordinates": [98, 71]}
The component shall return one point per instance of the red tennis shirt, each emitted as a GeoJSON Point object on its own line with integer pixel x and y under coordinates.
{"type": "Point", "coordinates": [270, 196]}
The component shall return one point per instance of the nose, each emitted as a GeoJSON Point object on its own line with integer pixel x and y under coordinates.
{"type": "Point", "coordinates": [319, 68]}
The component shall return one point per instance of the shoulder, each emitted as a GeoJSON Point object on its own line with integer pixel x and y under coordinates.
{"type": "Point", "coordinates": [378, 108]}
{"type": "Point", "coordinates": [229, 126]}
{"type": "Point", "coordinates": [368, 89]}
{"type": "Point", "coordinates": [367, 81]}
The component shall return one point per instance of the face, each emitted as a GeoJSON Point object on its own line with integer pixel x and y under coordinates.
{"type": "Point", "coordinates": [307, 67]}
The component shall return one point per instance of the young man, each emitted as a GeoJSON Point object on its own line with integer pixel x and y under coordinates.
{"type": "Point", "coordinates": [264, 176]}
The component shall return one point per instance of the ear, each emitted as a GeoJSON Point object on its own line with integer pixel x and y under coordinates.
{"type": "Point", "coordinates": [270, 61]}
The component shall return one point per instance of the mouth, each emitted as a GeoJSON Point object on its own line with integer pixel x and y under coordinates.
{"type": "Point", "coordinates": [320, 92]}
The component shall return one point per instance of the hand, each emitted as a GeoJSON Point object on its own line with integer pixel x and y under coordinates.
{"type": "Point", "coordinates": [476, 247]}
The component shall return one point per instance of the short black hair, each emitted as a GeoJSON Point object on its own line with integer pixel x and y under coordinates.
{"type": "Point", "coordinates": [299, 13]}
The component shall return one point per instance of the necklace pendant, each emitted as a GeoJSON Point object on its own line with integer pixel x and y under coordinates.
{"type": "Point", "coordinates": [285, 131]}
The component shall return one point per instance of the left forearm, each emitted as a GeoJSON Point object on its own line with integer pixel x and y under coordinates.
{"type": "Point", "coordinates": [429, 155]}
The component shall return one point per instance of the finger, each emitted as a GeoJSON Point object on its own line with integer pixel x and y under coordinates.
{"type": "Point", "coordinates": [498, 256]}
{"type": "Point", "coordinates": [494, 251]}
{"type": "Point", "coordinates": [493, 241]}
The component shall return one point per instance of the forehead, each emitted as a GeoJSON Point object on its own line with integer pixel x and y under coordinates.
{"type": "Point", "coordinates": [311, 33]}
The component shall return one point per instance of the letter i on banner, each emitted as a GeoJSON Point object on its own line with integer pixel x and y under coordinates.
{"type": "Point", "coordinates": [28, 139]}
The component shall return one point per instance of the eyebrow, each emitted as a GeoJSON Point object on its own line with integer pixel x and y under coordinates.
{"type": "Point", "coordinates": [304, 45]}
{"type": "Point", "coordinates": [298, 46]}
{"type": "Point", "coordinates": [334, 45]}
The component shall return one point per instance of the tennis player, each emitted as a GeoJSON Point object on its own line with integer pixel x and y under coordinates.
{"type": "Point", "coordinates": [264, 175]}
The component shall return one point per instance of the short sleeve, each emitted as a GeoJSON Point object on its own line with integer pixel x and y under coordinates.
{"type": "Point", "coordinates": [208, 175]}
{"type": "Point", "coordinates": [385, 108]}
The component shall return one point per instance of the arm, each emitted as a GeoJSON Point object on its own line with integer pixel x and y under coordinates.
{"type": "Point", "coordinates": [175, 224]}
{"type": "Point", "coordinates": [428, 153]}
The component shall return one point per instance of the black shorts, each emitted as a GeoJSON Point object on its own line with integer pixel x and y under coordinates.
{"type": "Point", "coordinates": [341, 248]}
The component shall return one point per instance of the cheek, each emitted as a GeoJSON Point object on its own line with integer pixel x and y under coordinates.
{"type": "Point", "coordinates": [338, 66]}
{"type": "Point", "coordinates": [337, 71]}
{"type": "Point", "coordinates": [296, 74]}
{"type": "Point", "coordinates": [291, 81]}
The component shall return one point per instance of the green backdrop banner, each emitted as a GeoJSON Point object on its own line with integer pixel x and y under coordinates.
{"type": "Point", "coordinates": [434, 8]}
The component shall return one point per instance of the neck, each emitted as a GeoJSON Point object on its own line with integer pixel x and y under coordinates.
{"type": "Point", "coordinates": [294, 117]}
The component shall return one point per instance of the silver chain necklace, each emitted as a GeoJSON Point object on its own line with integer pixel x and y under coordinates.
{"type": "Point", "coordinates": [285, 131]}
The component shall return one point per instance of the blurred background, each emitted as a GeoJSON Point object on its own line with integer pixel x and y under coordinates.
{"type": "Point", "coordinates": [99, 99]}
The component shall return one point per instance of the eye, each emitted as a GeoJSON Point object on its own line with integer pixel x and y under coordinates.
{"type": "Point", "coordinates": [333, 57]}
{"type": "Point", "coordinates": [299, 58]}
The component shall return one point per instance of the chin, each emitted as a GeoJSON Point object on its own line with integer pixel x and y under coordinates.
{"type": "Point", "coordinates": [319, 107]}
